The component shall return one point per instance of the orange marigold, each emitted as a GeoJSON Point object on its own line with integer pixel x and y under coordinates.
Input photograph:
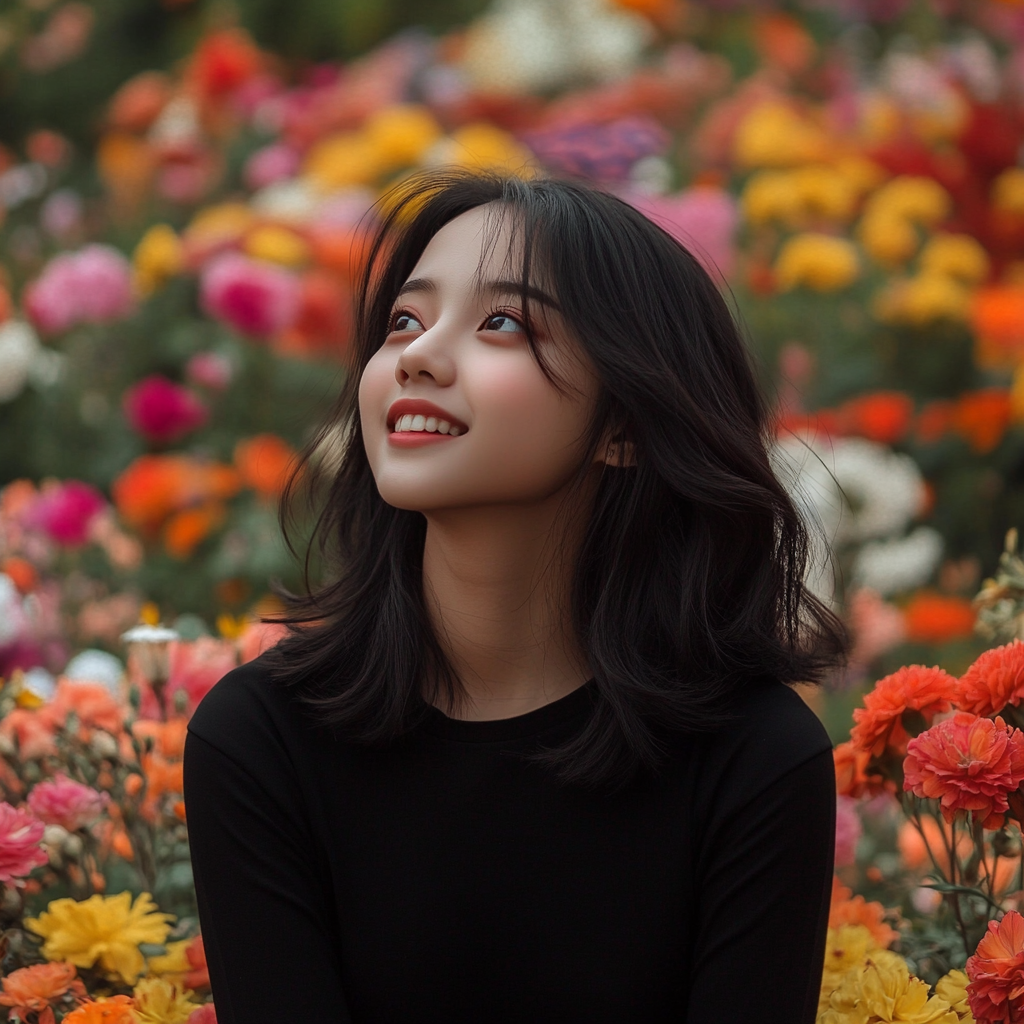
{"type": "Point", "coordinates": [115, 1010]}
{"type": "Point", "coordinates": [880, 723]}
{"type": "Point", "coordinates": [852, 776]}
{"type": "Point", "coordinates": [993, 681]}
{"type": "Point", "coordinates": [995, 989]}
{"type": "Point", "coordinates": [969, 764]}
{"type": "Point", "coordinates": [936, 618]}
{"type": "Point", "coordinates": [849, 909]}
{"type": "Point", "coordinates": [32, 989]}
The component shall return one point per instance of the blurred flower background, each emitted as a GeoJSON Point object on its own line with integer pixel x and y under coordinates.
{"type": "Point", "coordinates": [186, 192]}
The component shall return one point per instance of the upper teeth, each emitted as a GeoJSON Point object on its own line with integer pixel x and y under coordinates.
{"type": "Point", "coordinates": [429, 423]}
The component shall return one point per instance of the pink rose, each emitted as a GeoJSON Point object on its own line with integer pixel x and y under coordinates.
{"type": "Point", "coordinates": [65, 511]}
{"type": "Point", "coordinates": [848, 830]}
{"type": "Point", "coordinates": [62, 801]}
{"type": "Point", "coordinates": [161, 410]}
{"type": "Point", "coordinates": [196, 666]}
{"type": "Point", "coordinates": [20, 835]}
{"type": "Point", "coordinates": [255, 298]}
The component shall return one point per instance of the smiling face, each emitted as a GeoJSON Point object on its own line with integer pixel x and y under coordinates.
{"type": "Point", "coordinates": [454, 409]}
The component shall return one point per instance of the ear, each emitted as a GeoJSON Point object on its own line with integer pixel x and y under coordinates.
{"type": "Point", "coordinates": [617, 451]}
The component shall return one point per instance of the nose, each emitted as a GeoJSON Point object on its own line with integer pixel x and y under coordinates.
{"type": "Point", "coordinates": [427, 357]}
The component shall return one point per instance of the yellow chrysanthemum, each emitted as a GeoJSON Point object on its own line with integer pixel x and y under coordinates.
{"type": "Point", "coordinates": [1008, 191]}
{"type": "Point", "coordinates": [159, 1001]}
{"type": "Point", "coordinates": [218, 225]}
{"type": "Point", "coordinates": [174, 961]}
{"type": "Point", "coordinates": [822, 262]}
{"type": "Point", "coordinates": [923, 300]}
{"type": "Point", "coordinates": [888, 240]}
{"type": "Point", "coordinates": [770, 196]}
{"type": "Point", "coordinates": [846, 948]}
{"type": "Point", "coordinates": [883, 992]}
{"type": "Point", "coordinates": [792, 197]}
{"type": "Point", "coordinates": [104, 930]}
{"type": "Point", "coordinates": [959, 256]}
{"type": "Point", "coordinates": [862, 174]}
{"type": "Point", "coordinates": [774, 135]}
{"type": "Point", "coordinates": [880, 118]}
{"type": "Point", "coordinates": [953, 988]}
{"type": "Point", "coordinates": [918, 199]}
{"type": "Point", "coordinates": [403, 133]}
{"type": "Point", "coordinates": [825, 192]}
{"type": "Point", "coordinates": [277, 245]}
{"type": "Point", "coordinates": [157, 258]}
{"type": "Point", "coordinates": [480, 146]}
{"type": "Point", "coordinates": [343, 161]}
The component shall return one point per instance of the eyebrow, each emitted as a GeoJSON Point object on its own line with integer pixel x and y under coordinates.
{"type": "Point", "coordinates": [426, 284]}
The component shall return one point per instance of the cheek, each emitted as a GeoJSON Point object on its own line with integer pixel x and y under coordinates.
{"type": "Point", "coordinates": [375, 386]}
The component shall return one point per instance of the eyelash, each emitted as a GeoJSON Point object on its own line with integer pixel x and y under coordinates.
{"type": "Point", "coordinates": [515, 316]}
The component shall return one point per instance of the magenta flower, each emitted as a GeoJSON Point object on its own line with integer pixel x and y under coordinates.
{"type": "Point", "coordinates": [255, 298]}
{"type": "Point", "coordinates": [161, 410]}
{"type": "Point", "coordinates": [62, 801]}
{"type": "Point", "coordinates": [275, 162]}
{"type": "Point", "coordinates": [702, 219]}
{"type": "Point", "coordinates": [93, 285]}
{"type": "Point", "coordinates": [20, 835]}
{"type": "Point", "coordinates": [65, 510]}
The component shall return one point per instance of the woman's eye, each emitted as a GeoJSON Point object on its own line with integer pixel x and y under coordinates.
{"type": "Point", "coordinates": [405, 322]}
{"type": "Point", "coordinates": [502, 322]}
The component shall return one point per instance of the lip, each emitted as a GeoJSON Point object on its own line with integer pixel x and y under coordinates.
{"type": "Point", "coordinates": [421, 407]}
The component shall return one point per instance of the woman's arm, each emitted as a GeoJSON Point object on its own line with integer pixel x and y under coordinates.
{"type": "Point", "coordinates": [764, 903]}
{"type": "Point", "coordinates": [265, 914]}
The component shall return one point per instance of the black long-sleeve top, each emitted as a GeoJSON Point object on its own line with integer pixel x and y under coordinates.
{"type": "Point", "coordinates": [444, 879]}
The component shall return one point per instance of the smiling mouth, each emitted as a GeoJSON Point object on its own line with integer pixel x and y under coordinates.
{"type": "Point", "coordinates": [420, 424]}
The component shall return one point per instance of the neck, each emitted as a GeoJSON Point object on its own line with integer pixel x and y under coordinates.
{"type": "Point", "coordinates": [496, 582]}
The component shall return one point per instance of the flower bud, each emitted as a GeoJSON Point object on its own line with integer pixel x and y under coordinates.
{"type": "Point", "coordinates": [72, 846]}
{"type": "Point", "coordinates": [54, 835]}
{"type": "Point", "coordinates": [103, 744]}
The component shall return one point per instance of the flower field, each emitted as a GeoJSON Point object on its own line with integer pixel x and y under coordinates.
{"type": "Point", "coordinates": [176, 280]}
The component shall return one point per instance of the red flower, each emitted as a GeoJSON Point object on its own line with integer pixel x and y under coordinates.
{"type": "Point", "coordinates": [969, 764]}
{"type": "Point", "coordinates": [995, 990]}
{"type": "Point", "coordinates": [161, 410]}
{"type": "Point", "coordinates": [913, 688]}
{"type": "Point", "coordinates": [994, 680]}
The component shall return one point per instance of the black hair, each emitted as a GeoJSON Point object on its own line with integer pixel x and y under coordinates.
{"type": "Point", "coordinates": [689, 584]}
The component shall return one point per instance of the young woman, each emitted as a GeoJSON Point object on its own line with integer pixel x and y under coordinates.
{"type": "Point", "coordinates": [528, 754]}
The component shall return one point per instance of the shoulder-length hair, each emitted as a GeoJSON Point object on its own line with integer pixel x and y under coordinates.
{"type": "Point", "coordinates": [689, 584]}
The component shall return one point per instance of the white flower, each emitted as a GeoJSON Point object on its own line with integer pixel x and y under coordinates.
{"type": "Point", "coordinates": [12, 614]}
{"type": "Point", "coordinates": [95, 666]}
{"type": "Point", "coordinates": [19, 350]}
{"type": "Point", "coordinates": [900, 563]}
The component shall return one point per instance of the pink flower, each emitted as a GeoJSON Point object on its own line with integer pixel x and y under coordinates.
{"type": "Point", "coordinates": [209, 370]}
{"type": "Point", "coordinates": [161, 410]}
{"type": "Point", "coordinates": [92, 285]}
{"type": "Point", "coordinates": [276, 162]}
{"type": "Point", "coordinates": [255, 298]}
{"type": "Point", "coordinates": [258, 637]}
{"type": "Point", "coordinates": [197, 665]}
{"type": "Point", "coordinates": [62, 801]}
{"type": "Point", "coordinates": [64, 511]}
{"type": "Point", "coordinates": [20, 834]}
{"type": "Point", "coordinates": [702, 219]}
{"type": "Point", "coordinates": [204, 1015]}
{"type": "Point", "coordinates": [848, 830]}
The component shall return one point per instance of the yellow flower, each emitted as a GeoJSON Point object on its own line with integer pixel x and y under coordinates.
{"type": "Point", "coordinates": [953, 988]}
{"type": "Point", "coordinates": [822, 262]}
{"type": "Point", "coordinates": [344, 160]}
{"type": "Point", "coordinates": [102, 929]}
{"type": "Point", "coordinates": [403, 133]}
{"type": "Point", "coordinates": [883, 992]}
{"type": "Point", "coordinates": [159, 1001]}
{"type": "Point", "coordinates": [215, 226]}
{"type": "Point", "coordinates": [923, 300]}
{"type": "Point", "coordinates": [846, 949]}
{"type": "Point", "coordinates": [959, 256]}
{"type": "Point", "coordinates": [862, 174]}
{"type": "Point", "coordinates": [174, 961]}
{"type": "Point", "coordinates": [158, 257]}
{"type": "Point", "coordinates": [880, 119]}
{"type": "Point", "coordinates": [774, 135]}
{"type": "Point", "coordinates": [481, 146]}
{"type": "Point", "coordinates": [918, 199]}
{"type": "Point", "coordinates": [770, 195]}
{"type": "Point", "coordinates": [825, 192]}
{"type": "Point", "coordinates": [887, 240]}
{"type": "Point", "coordinates": [276, 245]}
{"type": "Point", "coordinates": [1008, 190]}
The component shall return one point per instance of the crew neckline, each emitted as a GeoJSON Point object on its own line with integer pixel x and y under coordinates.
{"type": "Point", "coordinates": [523, 726]}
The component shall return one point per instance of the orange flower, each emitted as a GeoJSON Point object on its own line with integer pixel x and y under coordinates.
{"type": "Point", "coordinates": [849, 909]}
{"type": "Point", "coordinates": [852, 777]}
{"type": "Point", "coordinates": [168, 737]}
{"type": "Point", "coordinates": [92, 704]}
{"type": "Point", "coordinates": [199, 976]}
{"type": "Point", "coordinates": [883, 416]}
{"type": "Point", "coordinates": [115, 1010]}
{"type": "Point", "coordinates": [983, 417]}
{"type": "Point", "coordinates": [33, 989]}
{"type": "Point", "coordinates": [936, 618]}
{"type": "Point", "coordinates": [934, 421]}
{"type": "Point", "coordinates": [937, 838]}
{"type": "Point", "coordinates": [186, 529]}
{"type": "Point", "coordinates": [264, 463]}
{"type": "Point", "coordinates": [997, 319]}
{"type": "Point", "coordinates": [995, 989]}
{"type": "Point", "coordinates": [969, 764]}
{"type": "Point", "coordinates": [994, 680]}
{"type": "Point", "coordinates": [912, 688]}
